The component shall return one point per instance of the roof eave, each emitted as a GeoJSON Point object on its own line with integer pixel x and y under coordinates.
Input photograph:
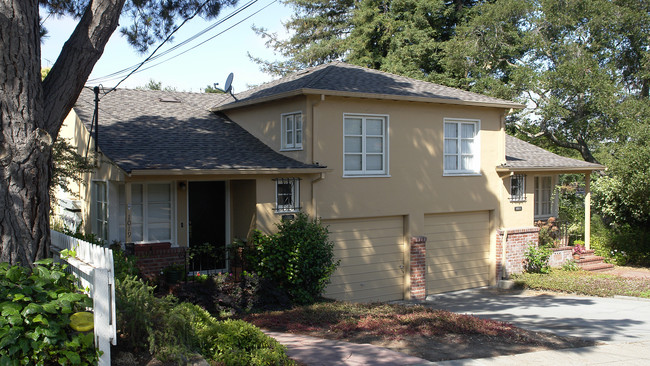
{"type": "Point", "coordinates": [408, 98]}
{"type": "Point", "coordinates": [564, 169]}
{"type": "Point", "coordinates": [252, 171]}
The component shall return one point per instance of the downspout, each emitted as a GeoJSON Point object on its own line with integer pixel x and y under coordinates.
{"type": "Point", "coordinates": [313, 148]}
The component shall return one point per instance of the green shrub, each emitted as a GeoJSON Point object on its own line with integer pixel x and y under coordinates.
{"type": "Point", "coordinates": [35, 306]}
{"type": "Point", "coordinates": [146, 321]}
{"type": "Point", "coordinates": [299, 258]}
{"type": "Point", "coordinates": [124, 265]}
{"type": "Point", "coordinates": [570, 266]}
{"type": "Point", "coordinates": [231, 342]}
{"type": "Point", "coordinates": [537, 258]}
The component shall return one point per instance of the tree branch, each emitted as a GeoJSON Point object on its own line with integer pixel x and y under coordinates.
{"type": "Point", "coordinates": [83, 49]}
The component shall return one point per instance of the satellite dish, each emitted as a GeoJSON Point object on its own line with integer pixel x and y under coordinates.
{"type": "Point", "coordinates": [228, 86]}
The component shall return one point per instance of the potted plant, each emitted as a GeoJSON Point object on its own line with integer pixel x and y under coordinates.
{"type": "Point", "coordinates": [174, 273]}
{"type": "Point", "coordinates": [578, 250]}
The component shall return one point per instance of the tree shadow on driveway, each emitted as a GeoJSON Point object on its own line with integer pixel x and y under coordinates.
{"type": "Point", "coordinates": [593, 318]}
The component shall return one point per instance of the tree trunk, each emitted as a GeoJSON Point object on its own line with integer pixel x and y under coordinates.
{"type": "Point", "coordinates": [25, 147]}
{"type": "Point", "coordinates": [32, 112]}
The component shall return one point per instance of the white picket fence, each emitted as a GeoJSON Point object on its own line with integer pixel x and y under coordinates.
{"type": "Point", "coordinates": [93, 266]}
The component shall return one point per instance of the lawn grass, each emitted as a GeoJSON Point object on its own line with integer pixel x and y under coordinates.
{"type": "Point", "coordinates": [585, 283]}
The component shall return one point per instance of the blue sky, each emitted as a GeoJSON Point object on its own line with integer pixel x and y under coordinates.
{"type": "Point", "coordinates": [206, 64]}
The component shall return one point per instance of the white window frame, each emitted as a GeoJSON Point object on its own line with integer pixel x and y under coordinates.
{"type": "Point", "coordinates": [538, 181]}
{"type": "Point", "coordinates": [364, 172]}
{"type": "Point", "coordinates": [145, 214]}
{"type": "Point", "coordinates": [100, 217]}
{"type": "Point", "coordinates": [476, 153]}
{"type": "Point", "coordinates": [294, 206]}
{"type": "Point", "coordinates": [294, 130]}
{"type": "Point", "coordinates": [519, 196]}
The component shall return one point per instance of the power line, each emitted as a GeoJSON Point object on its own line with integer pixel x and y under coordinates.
{"type": "Point", "coordinates": [116, 74]}
{"type": "Point", "coordinates": [160, 45]}
{"type": "Point", "coordinates": [138, 67]}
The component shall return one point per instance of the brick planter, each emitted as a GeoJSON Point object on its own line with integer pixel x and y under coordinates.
{"type": "Point", "coordinates": [153, 258]}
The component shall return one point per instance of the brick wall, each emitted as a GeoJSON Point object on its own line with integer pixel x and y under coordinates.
{"type": "Point", "coordinates": [418, 267]}
{"type": "Point", "coordinates": [517, 242]}
{"type": "Point", "coordinates": [153, 258]}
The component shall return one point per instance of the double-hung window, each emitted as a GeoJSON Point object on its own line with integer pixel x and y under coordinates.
{"type": "Point", "coordinates": [365, 145]}
{"type": "Point", "coordinates": [100, 209]}
{"type": "Point", "coordinates": [292, 131]}
{"type": "Point", "coordinates": [151, 212]}
{"type": "Point", "coordinates": [462, 147]}
{"type": "Point", "coordinates": [287, 193]}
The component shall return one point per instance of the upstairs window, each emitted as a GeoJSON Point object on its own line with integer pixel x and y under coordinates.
{"type": "Point", "coordinates": [287, 195]}
{"type": "Point", "coordinates": [292, 131]}
{"type": "Point", "coordinates": [365, 145]}
{"type": "Point", "coordinates": [461, 150]}
{"type": "Point", "coordinates": [517, 188]}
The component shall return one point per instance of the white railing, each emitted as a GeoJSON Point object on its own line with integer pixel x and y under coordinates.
{"type": "Point", "coordinates": [93, 266]}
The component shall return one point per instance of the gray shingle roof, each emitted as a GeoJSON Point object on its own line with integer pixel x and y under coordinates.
{"type": "Point", "coordinates": [521, 155]}
{"type": "Point", "coordinates": [344, 79]}
{"type": "Point", "coordinates": [145, 129]}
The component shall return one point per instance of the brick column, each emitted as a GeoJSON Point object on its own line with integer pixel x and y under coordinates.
{"type": "Point", "coordinates": [516, 244]}
{"type": "Point", "coordinates": [418, 267]}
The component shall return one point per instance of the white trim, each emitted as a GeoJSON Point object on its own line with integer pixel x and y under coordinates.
{"type": "Point", "coordinates": [363, 173]}
{"type": "Point", "coordinates": [476, 171]}
{"type": "Point", "coordinates": [283, 132]}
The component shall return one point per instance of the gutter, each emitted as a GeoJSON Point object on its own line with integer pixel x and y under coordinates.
{"type": "Point", "coordinates": [201, 172]}
{"type": "Point", "coordinates": [550, 169]}
{"type": "Point", "coordinates": [408, 98]}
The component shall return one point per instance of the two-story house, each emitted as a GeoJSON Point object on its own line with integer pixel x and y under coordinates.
{"type": "Point", "coordinates": [421, 188]}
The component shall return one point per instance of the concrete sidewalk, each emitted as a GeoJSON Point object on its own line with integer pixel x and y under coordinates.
{"type": "Point", "coordinates": [322, 352]}
{"type": "Point", "coordinates": [637, 353]}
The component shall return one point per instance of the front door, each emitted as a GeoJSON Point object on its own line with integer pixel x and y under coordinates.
{"type": "Point", "coordinates": [207, 226]}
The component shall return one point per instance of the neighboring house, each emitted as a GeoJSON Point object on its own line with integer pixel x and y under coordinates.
{"type": "Point", "coordinates": [415, 180]}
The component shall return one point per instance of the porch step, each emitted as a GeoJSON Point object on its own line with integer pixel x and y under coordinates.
{"type": "Point", "coordinates": [593, 263]}
{"type": "Point", "coordinates": [597, 267]}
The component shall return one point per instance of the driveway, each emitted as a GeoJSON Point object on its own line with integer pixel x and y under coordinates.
{"type": "Point", "coordinates": [600, 319]}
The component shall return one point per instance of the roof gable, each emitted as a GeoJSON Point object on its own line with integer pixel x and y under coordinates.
{"type": "Point", "coordinates": [339, 78]}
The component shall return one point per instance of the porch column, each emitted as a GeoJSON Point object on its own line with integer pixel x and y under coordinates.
{"type": "Point", "coordinates": [127, 214]}
{"type": "Point", "coordinates": [587, 211]}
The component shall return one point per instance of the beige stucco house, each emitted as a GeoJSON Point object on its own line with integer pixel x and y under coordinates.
{"type": "Point", "coordinates": [422, 189]}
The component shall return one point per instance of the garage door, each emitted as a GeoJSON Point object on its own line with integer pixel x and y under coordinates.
{"type": "Point", "coordinates": [458, 251]}
{"type": "Point", "coordinates": [371, 251]}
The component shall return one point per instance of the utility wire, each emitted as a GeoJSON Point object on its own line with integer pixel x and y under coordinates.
{"type": "Point", "coordinates": [160, 45]}
{"type": "Point", "coordinates": [138, 67]}
{"type": "Point", "coordinates": [209, 39]}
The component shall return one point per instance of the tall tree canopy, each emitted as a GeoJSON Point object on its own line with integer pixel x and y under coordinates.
{"type": "Point", "coordinates": [572, 62]}
{"type": "Point", "coordinates": [401, 36]}
{"type": "Point", "coordinates": [32, 111]}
